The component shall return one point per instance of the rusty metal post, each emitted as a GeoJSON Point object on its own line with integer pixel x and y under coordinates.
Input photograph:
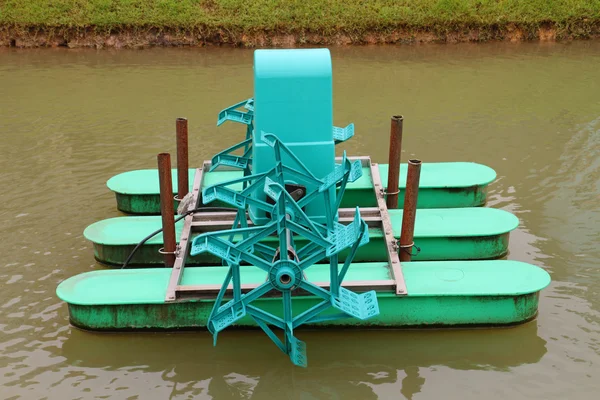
{"type": "Point", "coordinates": [410, 209]}
{"type": "Point", "coordinates": [393, 185]}
{"type": "Point", "coordinates": [167, 208]}
{"type": "Point", "coordinates": [182, 158]}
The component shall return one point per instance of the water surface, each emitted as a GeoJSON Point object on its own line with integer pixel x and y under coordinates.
{"type": "Point", "coordinates": [70, 119]}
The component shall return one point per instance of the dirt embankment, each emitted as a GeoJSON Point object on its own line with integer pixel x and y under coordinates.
{"type": "Point", "coordinates": [150, 37]}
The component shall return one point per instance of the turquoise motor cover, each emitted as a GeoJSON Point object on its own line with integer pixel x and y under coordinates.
{"type": "Point", "coordinates": [293, 97]}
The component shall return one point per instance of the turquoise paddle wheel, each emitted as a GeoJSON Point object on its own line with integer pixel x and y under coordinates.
{"type": "Point", "coordinates": [240, 247]}
{"type": "Point", "coordinates": [291, 188]}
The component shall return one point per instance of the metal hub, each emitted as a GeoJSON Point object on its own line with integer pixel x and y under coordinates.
{"type": "Point", "coordinates": [285, 275]}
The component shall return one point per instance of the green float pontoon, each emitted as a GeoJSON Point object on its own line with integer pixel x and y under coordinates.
{"type": "Point", "coordinates": [440, 234]}
{"type": "Point", "coordinates": [307, 239]}
{"type": "Point", "coordinates": [440, 293]}
{"type": "Point", "coordinates": [442, 185]}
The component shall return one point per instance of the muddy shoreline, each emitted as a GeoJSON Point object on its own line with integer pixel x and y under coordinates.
{"type": "Point", "coordinates": [141, 37]}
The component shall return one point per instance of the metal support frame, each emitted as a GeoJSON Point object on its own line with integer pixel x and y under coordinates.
{"type": "Point", "coordinates": [376, 217]}
{"type": "Point", "coordinates": [390, 242]}
{"type": "Point", "coordinates": [184, 240]}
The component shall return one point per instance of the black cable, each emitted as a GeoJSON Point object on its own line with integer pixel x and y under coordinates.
{"type": "Point", "coordinates": [150, 236]}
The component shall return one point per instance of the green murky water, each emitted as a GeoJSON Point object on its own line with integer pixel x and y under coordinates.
{"type": "Point", "coordinates": [70, 119]}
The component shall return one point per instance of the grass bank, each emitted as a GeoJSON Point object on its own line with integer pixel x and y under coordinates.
{"type": "Point", "coordinates": [127, 23]}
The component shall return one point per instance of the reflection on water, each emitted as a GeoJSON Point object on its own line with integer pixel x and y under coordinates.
{"type": "Point", "coordinates": [366, 370]}
{"type": "Point", "coordinates": [71, 119]}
